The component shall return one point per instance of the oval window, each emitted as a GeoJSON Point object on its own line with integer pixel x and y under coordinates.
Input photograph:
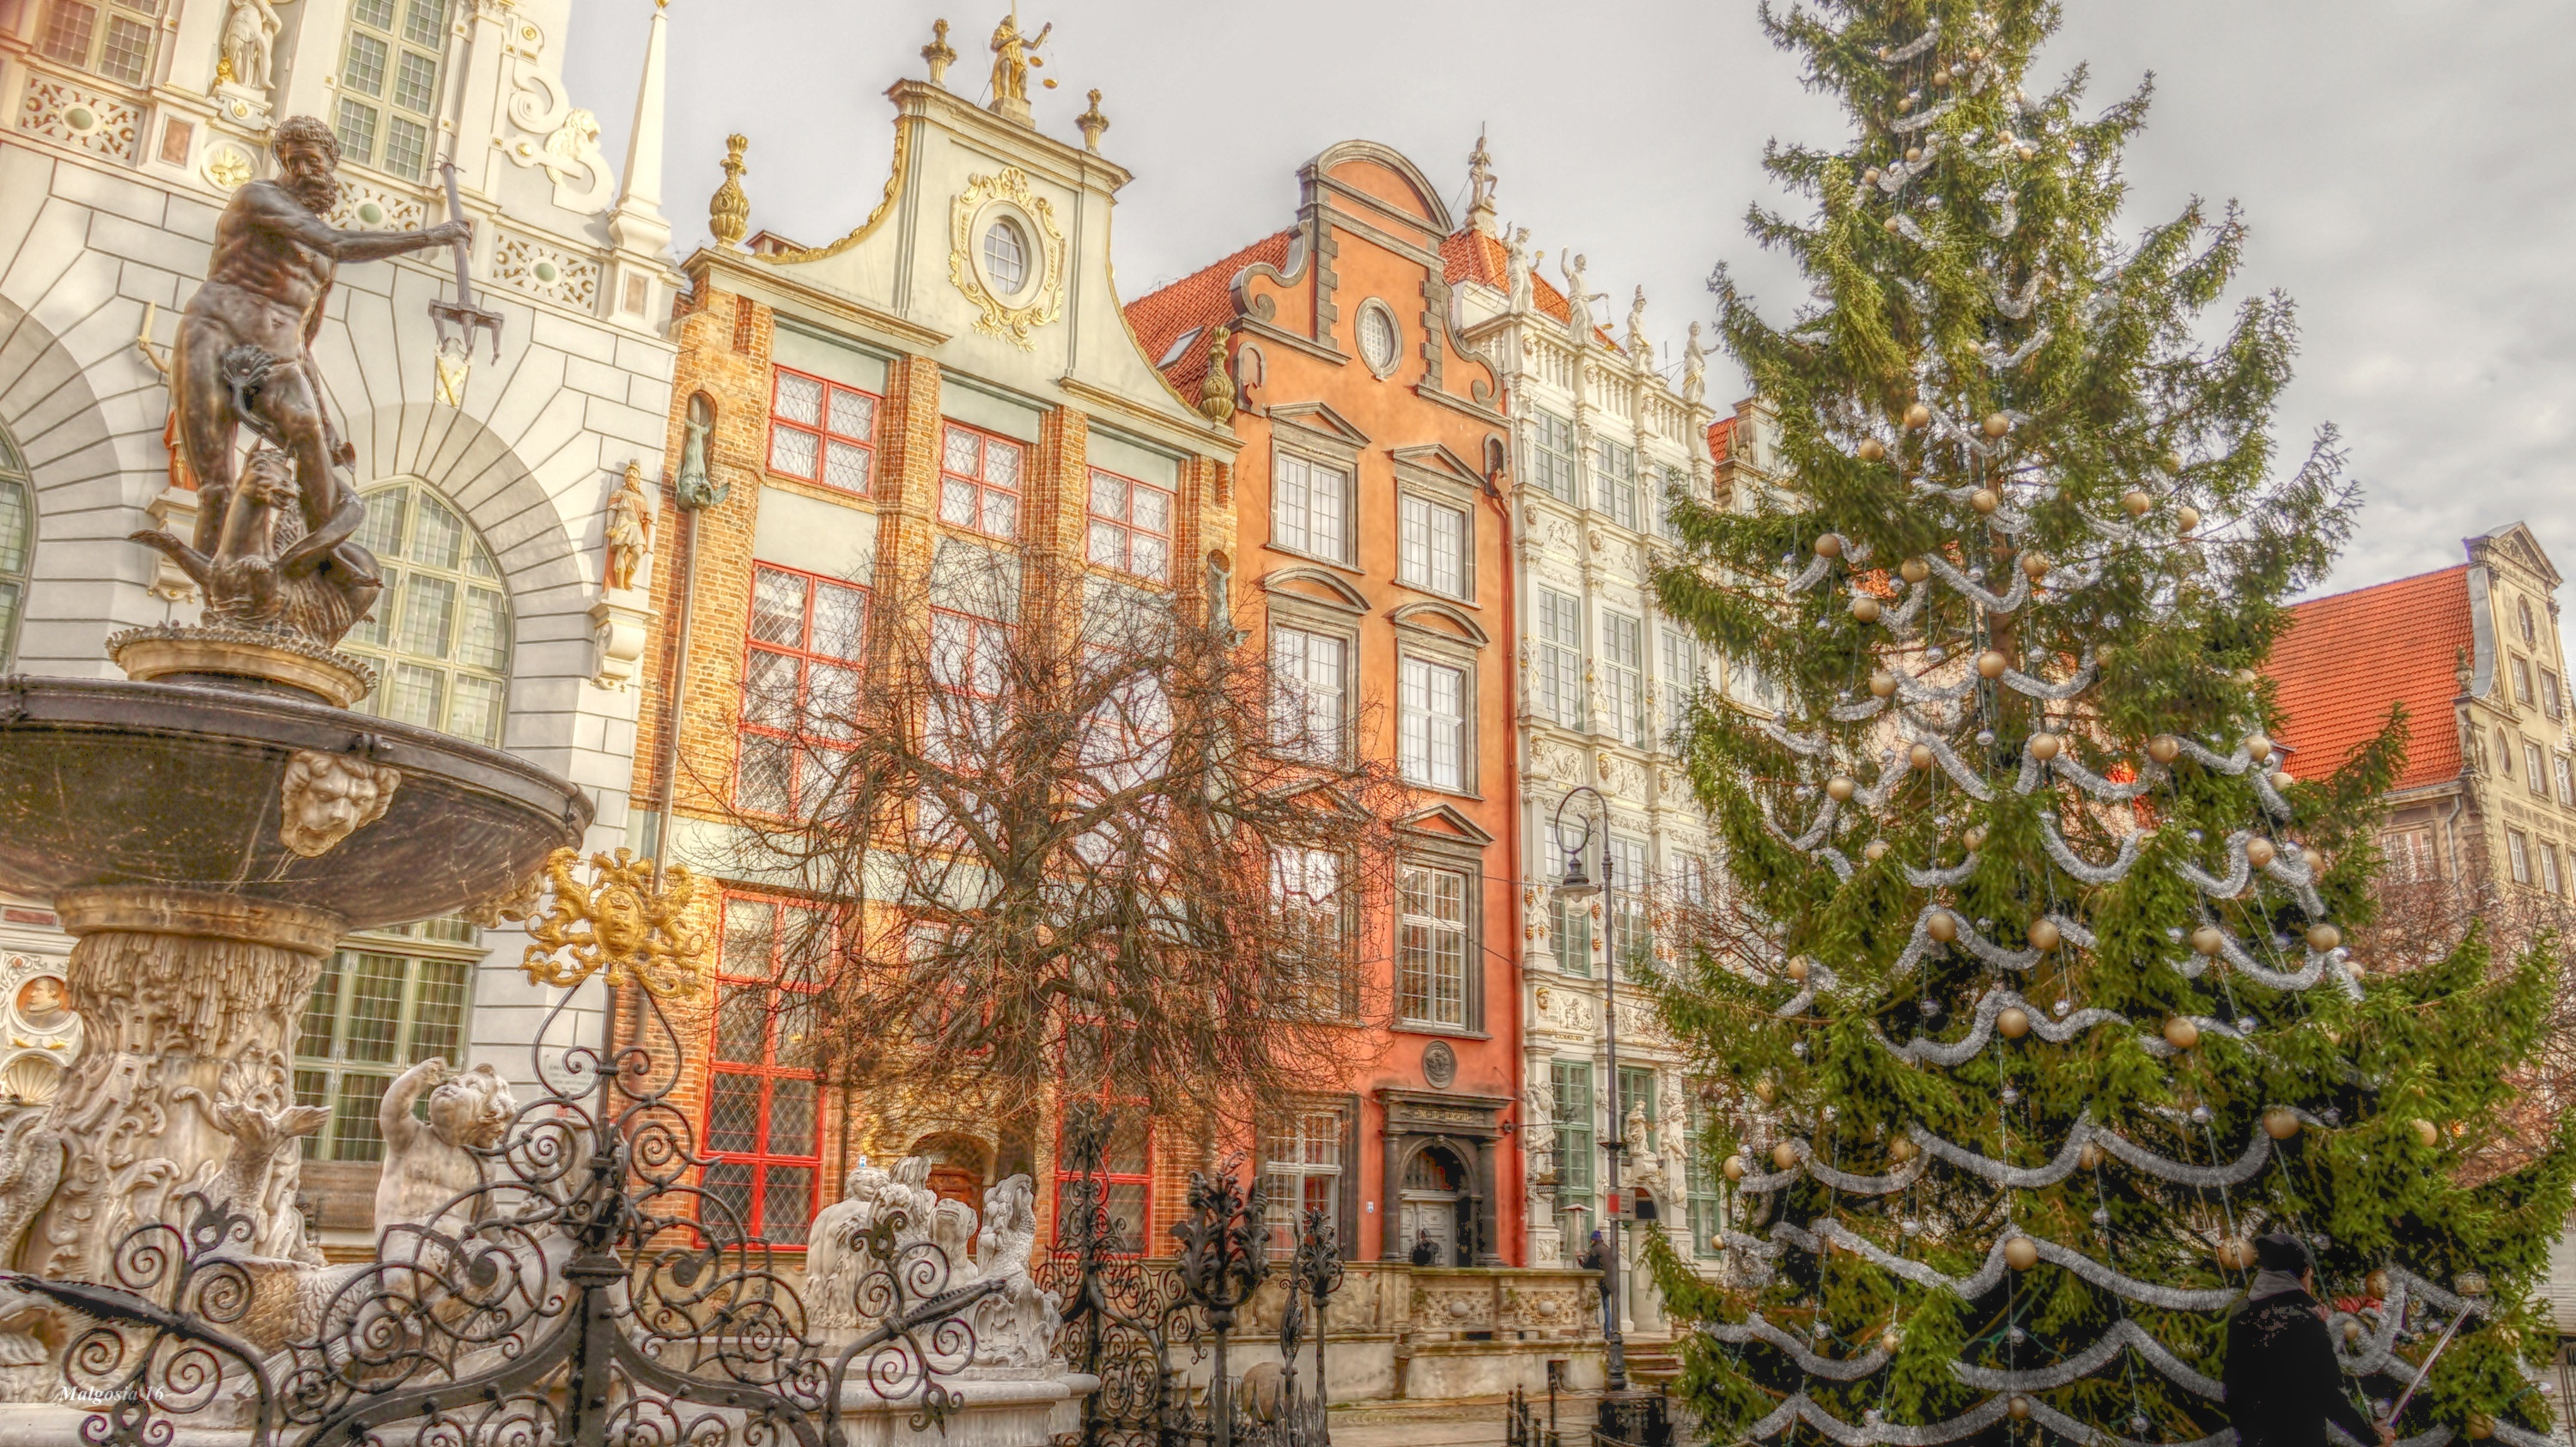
{"type": "Point", "coordinates": [1377, 338]}
{"type": "Point", "coordinates": [1006, 256]}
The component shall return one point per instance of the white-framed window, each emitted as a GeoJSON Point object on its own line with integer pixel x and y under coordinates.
{"type": "Point", "coordinates": [2566, 781]}
{"type": "Point", "coordinates": [1130, 526]}
{"type": "Point", "coordinates": [2522, 681]}
{"type": "Point", "coordinates": [389, 84]}
{"type": "Point", "coordinates": [1318, 921]}
{"type": "Point", "coordinates": [1615, 476]}
{"type": "Point", "coordinates": [2504, 753]}
{"type": "Point", "coordinates": [1558, 667]}
{"type": "Point", "coordinates": [1631, 937]}
{"type": "Point", "coordinates": [1706, 1203]}
{"type": "Point", "coordinates": [1309, 671]}
{"type": "Point", "coordinates": [1310, 507]}
{"type": "Point", "coordinates": [1555, 450]}
{"type": "Point", "coordinates": [1006, 256]}
{"type": "Point", "coordinates": [821, 431]}
{"type": "Point", "coordinates": [1669, 481]}
{"type": "Point", "coordinates": [109, 39]}
{"type": "Point", "coordinates": [1431, 946]}
{"type": "Point", "coordinates": [2530, 629]}
{"type": "Point", "coordinates": [1623, 677]}
{"type": "Point", "coordinates": [1432, 546]}
{"type": "Point", "coordinates": [2410, 855]}
{"type": "Point", "coordinates": [1577, 1158]}
{"type": "Point", "coordinates": [1681, 682]}
{"type": "Point", "coordinates": [440, 634]}
{"type": "Point", "coordinates": [387, 1000]}
{"type": "Point", "coordinates": [2549, 868]}
{"type": "Point", "coordinates": [1380, 338]}
{"type": "Point", "coordinates": [1572, 925]}
{"type": "Point", "coordinates": [1301, 1167]}
{"type": "Point", "coordinates": [2552, 694]}
{"type": "Point", "coordinates": [2517, 849]}
{"type": "Point", "coordinates": [1433, 726]}
{"type": "Point", "coordinates": [17, 544]}
{"type": "Point", "coordinates": [2535, 770]}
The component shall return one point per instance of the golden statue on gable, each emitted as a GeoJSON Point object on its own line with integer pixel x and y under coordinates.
{"type": "Point", "coordinates": [621, 919]}
{"type": "Point", "coordinates": [1013, 56]}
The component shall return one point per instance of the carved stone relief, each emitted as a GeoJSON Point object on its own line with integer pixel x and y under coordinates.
{"type": "Point", "coordinates": [326, 798]}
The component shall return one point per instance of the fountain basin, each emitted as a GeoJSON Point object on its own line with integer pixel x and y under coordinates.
{"type": "Point", "coordinates": [116, 789]}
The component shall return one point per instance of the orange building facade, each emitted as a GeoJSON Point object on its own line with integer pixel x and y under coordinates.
{"type": "Point", "coordinates": [1376, 571]}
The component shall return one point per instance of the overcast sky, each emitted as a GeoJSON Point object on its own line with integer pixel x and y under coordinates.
{"type": "Point", "coordinates": [2408, 179]}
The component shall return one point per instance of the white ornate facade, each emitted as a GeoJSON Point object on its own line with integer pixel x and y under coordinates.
{"type": "Point", "coordinates": [1604, 433]}
{"type": "Point", "coordinates": [128, 124]}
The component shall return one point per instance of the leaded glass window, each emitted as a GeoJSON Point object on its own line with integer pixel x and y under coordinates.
{"type": "Point", "coordinates": [389, 84]}
{"type": "Point", "coordinates": [17, 544]}
{"type": "Point", "coordinates": [387, 1000]}
{"type": "Point", "coordinates": [440, 634]}
{"type": "Point", "coordinates": [109, 39]}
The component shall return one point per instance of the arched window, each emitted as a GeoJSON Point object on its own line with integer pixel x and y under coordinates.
{"type": "Point", "coordinates": [17, 544]}
{"type": "Point", "coordinates": [440, 635]}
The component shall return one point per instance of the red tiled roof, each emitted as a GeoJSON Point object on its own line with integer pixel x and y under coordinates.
{"type": "Point", "coordinates": [1471, 255]}
{"type": "Point", "coordinates": [2348, 658]}
{"type": "Point", "coordinates": [1203, 298]}
{"type": "Point", "coordinates": [1721, 439]}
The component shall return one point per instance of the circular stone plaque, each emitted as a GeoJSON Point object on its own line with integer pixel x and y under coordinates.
{"type": "Point", "coordinates": [1439, 1064]}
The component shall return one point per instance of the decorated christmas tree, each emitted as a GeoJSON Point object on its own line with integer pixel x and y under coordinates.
{"type": "Point", "coordinates": [2062, 1016]}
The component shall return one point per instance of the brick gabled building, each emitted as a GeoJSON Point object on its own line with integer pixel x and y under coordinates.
{"type": "Point", "coordinates": [2486, 800]}
{"type": "Point", "coordinates": [950, 383]}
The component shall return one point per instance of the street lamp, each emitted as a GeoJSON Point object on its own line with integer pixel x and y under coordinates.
{"type": "Point", "coordinates": [1579, 886]}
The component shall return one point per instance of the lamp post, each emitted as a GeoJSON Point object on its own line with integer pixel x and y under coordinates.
{"type": "Point", "coordinates": [1578, 886]}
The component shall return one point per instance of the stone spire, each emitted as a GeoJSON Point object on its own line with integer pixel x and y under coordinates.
{"type": "Point", "coordinates": [639, 224]}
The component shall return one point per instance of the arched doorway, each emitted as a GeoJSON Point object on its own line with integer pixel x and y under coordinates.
{"type": "Point", "coordinates": [960, 1166]}
{"type": "Point", "coordinates": [1437, 1206]}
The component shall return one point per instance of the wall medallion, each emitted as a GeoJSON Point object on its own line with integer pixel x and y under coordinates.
{"type": "Point", "coordinates": [1439, 1065]}
{"type": "Point", "coordinates": [1006, 253]}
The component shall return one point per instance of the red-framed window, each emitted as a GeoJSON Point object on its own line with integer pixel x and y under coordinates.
{"type": "Point", "coordinates": [1127, 1172]}
{"type": "Point", "coordinates": [979, 480]}
{"type": "Point", "coordinates": [967, 653]}
{"type": "Point", "coordinates": [762, 1131]}
{"type": "Point", "coordinates": [1131, 526]}
{"type": "Point", "coordinates": [800, 683]}
{"type": "Point", "coordinates": [822, 431]}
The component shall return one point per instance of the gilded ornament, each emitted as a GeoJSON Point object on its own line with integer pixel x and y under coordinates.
{"type": "Point", "coordinates": [729, 212]}
{"type": "Point", "coordinates": [1044, 293]}
{"type": "Point", "coordinates": [227, 167]}
{"type": "Point", "coordinates": [1216, 390]}
{"type": "Point", "coordinates": [939, 53]}
{"type": "Point", "coordinates": [621, 919]}
{"type": "Point", "coordinates": [1091, 123]}
{"type": "Point", "coordinates": [2021, 1253]}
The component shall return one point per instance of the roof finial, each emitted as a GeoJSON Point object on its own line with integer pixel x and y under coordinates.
{"type": "Point", "coordinates": [729, 212]}
{"type": "Point", "coordinates": [1480, 187]}
{"type": "Point", "coordinates": [938, 53]}
{"type": "Point", "coordinates": [1092, 123]}
{"type": "Point", "coordinates": [1216, 390]}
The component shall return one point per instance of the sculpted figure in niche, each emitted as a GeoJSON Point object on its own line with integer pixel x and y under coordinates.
{"type": "Point", "coordinates": [428, 1164]}
{"type": "Point", "coordinates": [250, 38]}
{"type": "Point", "coordinates": [244, 357]}
{"type": "Point", "coordinates": [630, 528]}
{"type": "Point", "coordinates": [328, 797]}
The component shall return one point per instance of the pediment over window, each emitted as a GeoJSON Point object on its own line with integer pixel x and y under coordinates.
{"type": "Point", "coordinates": [1437, 459]}
{"type": "Point", "coordinates": [1315, 417]}
{"type": "Point", "coordinates": [1439, 620]}
{"type": "Point", "coordinates": [1315, 585]}
{"type": "Point", "coordinates": [1442, 821]}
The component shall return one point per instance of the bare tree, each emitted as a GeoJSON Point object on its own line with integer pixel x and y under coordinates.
{"type": "Point", "coordinates": [1058, 836]}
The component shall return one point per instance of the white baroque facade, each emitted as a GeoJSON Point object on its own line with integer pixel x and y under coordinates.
{"type": "Point", "coordinates": [128, 125]}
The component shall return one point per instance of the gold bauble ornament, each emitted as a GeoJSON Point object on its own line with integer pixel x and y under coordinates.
{"type": "Point", "coordinates": [1840, 788]}
{"type": "Point", "coordinates": [1882, 684]}
{"type": "Point", "coordinates": [1889, 225]}
{"type": "Point", "coordinates": [2136, 502]}
{"type": "Point", "coordinates": [1997, 424]}
{"type": "Point", "coordinates": [1992, 663]}
{"type": "Point", "coordinates": [1914, 570]}
{"type": "Point", "coordinates": [1975, 838]}
{"type": "Point", "coordinates": [1942, 926]}
{"type": "Point", "coordinates": [1918, 416]}
{"type": "Point", "coordinates": [1798, 967]}
{"type": "Point", "coordinates": [2034, 565]}
{"type": "Point", "coordinates": [2376, 1284]}
{"type": "Point", "coordinates": [1785, 1156]}
{"type": "Point", "coordinates": [1985, 500]}
{"type": "Point", "coordinates": [1734, 1168]}
{"type": "Point", "coordinates": [1901, 1150]}
{"type": "Point", "coordinates": [2173, 462]}
{"type": "Point", "coordinates": [1920, 756]}
{"type": "Point", "coordinates": [1875, 850]}
{"type": "Point", "coordinates": [2208, 940]}
{"type": "Point", "coordinates": [2260, 852]}
{"type": "Point", "coordinates": [2014, 1022]}
{"type": "Point", "coordinates": [2044, 746]}
{"type": "Point", "coordinates": [2180, 1033]}
{"type": "Point", "coordinates": [2019, 1407]}
{"type": "Point", "coordinates": [1766, 1090]}
{"type": "Point", "coordinates": [2021, 1253]}
{"type": "Point", "coordinates": [2090, 1157]}
{"type": "Point", "coordinates": [2481, 1426]}
{"type": "Point", "coordinates": [1871, 449]}
{"type": "Point", "coordinates": [2323, 937]}
{"type": "Point", "coordinates": [2235, 1255]}
{"type": "Point", "coordinates": [2280, 1122]}
{"type": "Point", "coordinates": [1829, 545]}
{"type": "Point", "coordinates": [1904, 103]}
{"type": "Point", "coordinates": [2311, 858]}
{"type": "Point", "coordinates": [1913, 153]}
{"type": "Point", "coordinates": [2029, 153]}
{"type": "Point", "coordinates": [2186, 518]}
{"type": "Point", "coordinates": [1865, 608]}
{"type": "Point", "coordinates": [1891, 1339]}
{"type": "Point", "coordinates": [2425, 1133]}
{"type": "Point", "coordinates": [2282, 779]}
{"type": "Point", "coordinates": [2352, 1329]}
{"type": "Point", "coordinates": [2258, 746]}
{"type": "Point", "coordinates": [2044, 934]}
{"type": "Point", "coordinates": [2164, 748]}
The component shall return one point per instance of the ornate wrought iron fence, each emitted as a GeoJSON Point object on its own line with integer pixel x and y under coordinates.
{"type": "Point", "coordinates": [588, 1288]}
{"type": "Point", "coordinates": [1128, 1321]}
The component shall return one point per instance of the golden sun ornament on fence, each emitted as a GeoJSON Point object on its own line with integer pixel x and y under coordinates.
{"type": "Point", "coordinates": [623, 919]}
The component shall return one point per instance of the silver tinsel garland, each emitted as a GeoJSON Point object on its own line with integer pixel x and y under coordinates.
{"type": "Point", "coordinates": [2018, 307]}
{"type": "Point", "coordinates": [2000, 361]}
{"type": "Point", "coordinates": [1923, 1050]}
{"type": "Point", "coordinates": [1987, 1277]}
{"type": "Point", "coordinates": [2123, 1333]}
{"type": "Point", "coordinates": [1810, 1362]}
{"type": "Point", "coordinates": [2067, 859]}
{"type": "Point", "coordinates": [2069, 1157]}
{"type": "Point", "coordinates": [2001, 604]}
{"type": "Point", "coordinates": [1930, 37]}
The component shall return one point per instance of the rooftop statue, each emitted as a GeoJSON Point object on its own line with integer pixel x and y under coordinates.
{"type": "Point", "coordinates": [244, 357]}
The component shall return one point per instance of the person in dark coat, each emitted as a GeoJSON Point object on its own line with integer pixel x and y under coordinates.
{"type": "Point", "coordinates": [2283, 1382]}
